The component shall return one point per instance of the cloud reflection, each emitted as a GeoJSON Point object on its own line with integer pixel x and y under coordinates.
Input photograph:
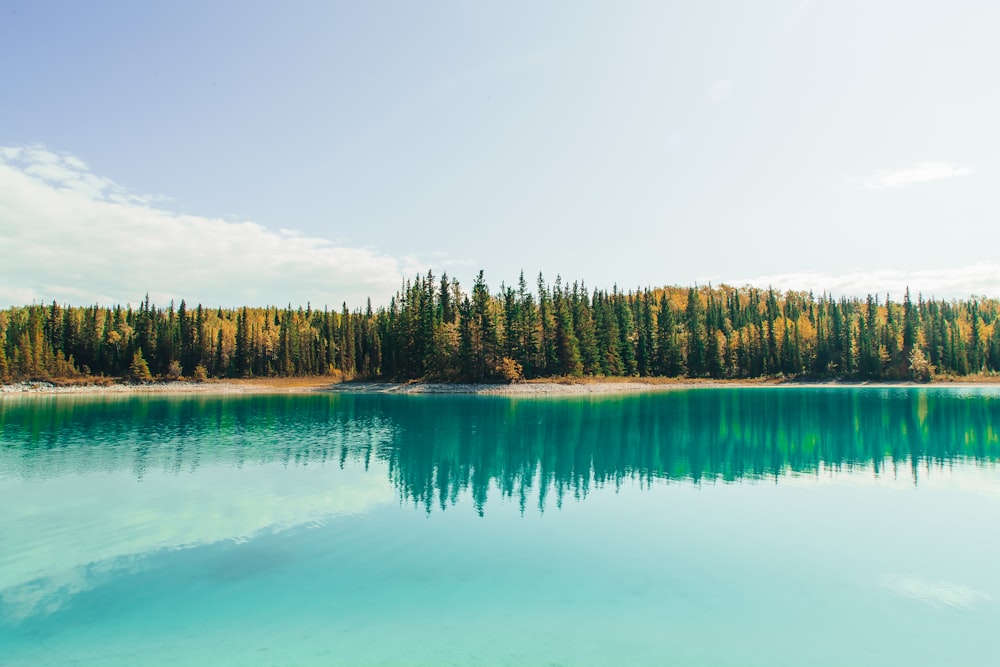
{"type": "Point", "coordinates": [938, 593]}
{"type": "Point", "coordinates": [94, 486]}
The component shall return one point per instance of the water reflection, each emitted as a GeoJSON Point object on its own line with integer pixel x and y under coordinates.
{"type": "Point", "coordinates": [92, 486]}
{"type": "Point", "coordinates": [568, 447]}
{"type": "Point", "coordinates": [47, 436]}
{"type": "Point", "coordinates": [435, 448]}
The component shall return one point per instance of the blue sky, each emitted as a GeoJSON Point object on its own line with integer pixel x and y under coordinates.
{"type": "Point", "coordinates": [266, 153]}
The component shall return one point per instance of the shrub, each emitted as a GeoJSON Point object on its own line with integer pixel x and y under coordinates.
{"type": "Point", "coordinates": [510, 371]}
{"type": "Point", "coordinates": [200, 373]}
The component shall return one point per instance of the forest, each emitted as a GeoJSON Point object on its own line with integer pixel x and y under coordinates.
{"type": "Point", "coordinates": [433, 329]}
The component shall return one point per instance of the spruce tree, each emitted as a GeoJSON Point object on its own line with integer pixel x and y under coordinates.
{"type": "Point", "coordinates": [583, 324]}
{"type": "Point", "coordinates": [567, 346]}
{"type": "Point", "coordinates": [627, 334]}
{"type": "Point", "coordinates": [138, 370]}
{"type": "Point", "coordinates": [694, 322]}
{"type": "Point", "coordinates": [669, 353]}
{"type": "Point", "coordinates": [608, 345]}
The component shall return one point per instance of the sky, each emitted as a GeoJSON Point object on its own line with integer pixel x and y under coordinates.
{"type": "Point", "coordinates": [262, 153]}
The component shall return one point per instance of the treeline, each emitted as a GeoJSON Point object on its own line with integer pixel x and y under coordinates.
{"type": "Point", "coordinates": [433, 329]}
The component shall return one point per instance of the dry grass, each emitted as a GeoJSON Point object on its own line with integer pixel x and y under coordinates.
{"type": "Point", "coordinates": [978, 378]}
{"type": "Point", "coordinates": [276, 384]}
{"type": "Point", "coordinates": [83, 381]}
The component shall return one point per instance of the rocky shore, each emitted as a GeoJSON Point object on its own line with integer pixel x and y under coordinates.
{"type": "Point", "coordinates": [21, 388]}
{"type": "Point", "coordinates": [522, 389]}
{"type": "Point", "coordinates": [318, 384]}
{"type": "Point", "coordinates": [301, 385]}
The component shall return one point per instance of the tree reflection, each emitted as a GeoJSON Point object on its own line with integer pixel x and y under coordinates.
{"type": "Point", "coordinates": [567, 447]}
{"type": "Point", "coordinates": [436, 449]}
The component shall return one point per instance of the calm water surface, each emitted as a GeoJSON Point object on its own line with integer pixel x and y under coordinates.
{"type": "Point", "coordinates": [770, 526]}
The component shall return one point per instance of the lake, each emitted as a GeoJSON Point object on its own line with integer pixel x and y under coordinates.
{"type": "Point", "coordinates": [756, 526]}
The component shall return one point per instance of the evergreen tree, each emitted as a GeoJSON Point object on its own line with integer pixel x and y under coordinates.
{"type": "Point", "coordinates": [548, 360]}
{"type": "Point", "coordinates": [608, 338]}
{"type": "Point", "coordinates": [627, 334]}
{"type": "Point", "coordinates": [431, 329]}
{"type": "Point", "coordinates": [644, 351]}
{"type": "Point", "coordinates": [243, 355]}
{"type": "Point", "coordinates": [526, 331]}
{"type": "Point", "coordinates": [446, 302]}
{"type": "Point", "coordinates": [567, 347]}
{"type": "Point", "coordinates": [583, 325]}
{"type": "Point", "coordinates": [694, 321]}
{"type": "Point", "coordinates": [993, 356]}
{"type": "Point", "coordinates": [669, 354]}
{"type": "Point", "coordinates": [138, 370]}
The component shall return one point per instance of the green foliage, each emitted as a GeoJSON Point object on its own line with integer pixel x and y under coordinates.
{"type": "Point", "coordinates": [4, 370]}
{"type": "Point", "coordinates": [697, 336]}
{"type": "Point", "coordinates": [138, 371]}
{"type": "Point", "coordinates": [433, 329]}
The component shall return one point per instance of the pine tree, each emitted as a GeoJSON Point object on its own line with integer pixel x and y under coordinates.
{"type": "Point", "coordinates": [468, 336]}
{"type": "Point", "coordinates": [445, 302]}
{"type": "Point", "coordinates": [138, 370]}
{"type": "Point", "coordinates": [548, 359]}
{"type": "Point", "coordinates": [567, 346]}
{"type": "Point", "coordinates": [627, 334]}
{"type": "Point", "coordinates": [431, 329]}
{"type": "Point", "coordinates": [715, 363]}
{"type": "Point", "coordinates": [669, 354]}
{"type": "Point", "coordinates": [243, 354]}
{"type": "Point", "coordinates": [608, 339]}
{"type": "Point", "coordinates": [583, 324]}
{"type": "Point", "coordinates": [644, 351]}
{"type": "Point", "coordinates": [528, 328]}
{"type": "Point", "coordinates": [993, 356]}
{"type": "Point", "coordinates": [694, 322]}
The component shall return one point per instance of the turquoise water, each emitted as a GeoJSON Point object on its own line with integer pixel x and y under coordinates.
{"type": "Point", "coordinates": [768, 526]}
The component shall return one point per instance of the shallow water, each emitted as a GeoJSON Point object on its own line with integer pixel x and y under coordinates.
{"type": "Point", "coordinates": [762, 526]}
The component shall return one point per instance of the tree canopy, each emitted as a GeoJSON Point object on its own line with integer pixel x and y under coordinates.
{"type": "Point", "coordinates": [433, 329]}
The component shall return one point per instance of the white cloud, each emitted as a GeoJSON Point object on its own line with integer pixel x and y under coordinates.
{"type": "Point", "coordinates": [72, 236]}
{"type": "Point", "coordinates": [19, 295]}
{"type": "Point", "coordinates": [919, 173]}
{"type": "Point", "coordinates": [976, 279]}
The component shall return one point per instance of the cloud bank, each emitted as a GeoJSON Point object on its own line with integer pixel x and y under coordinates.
{"type": "Point", "coordinates": [919, 173]}
{"type": "Point", "coordinates": [71, 236]}
{"type": "Point", "coordinates": [981, 279]}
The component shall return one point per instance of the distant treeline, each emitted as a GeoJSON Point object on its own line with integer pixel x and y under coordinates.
{"type": "Point", "coordinates": [433, 329]}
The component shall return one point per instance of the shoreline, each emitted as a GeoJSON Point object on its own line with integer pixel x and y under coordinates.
{"type": "Point", "coordinates": [549, 387]}
{"type": "Point", "coordinates": [251, 386]}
